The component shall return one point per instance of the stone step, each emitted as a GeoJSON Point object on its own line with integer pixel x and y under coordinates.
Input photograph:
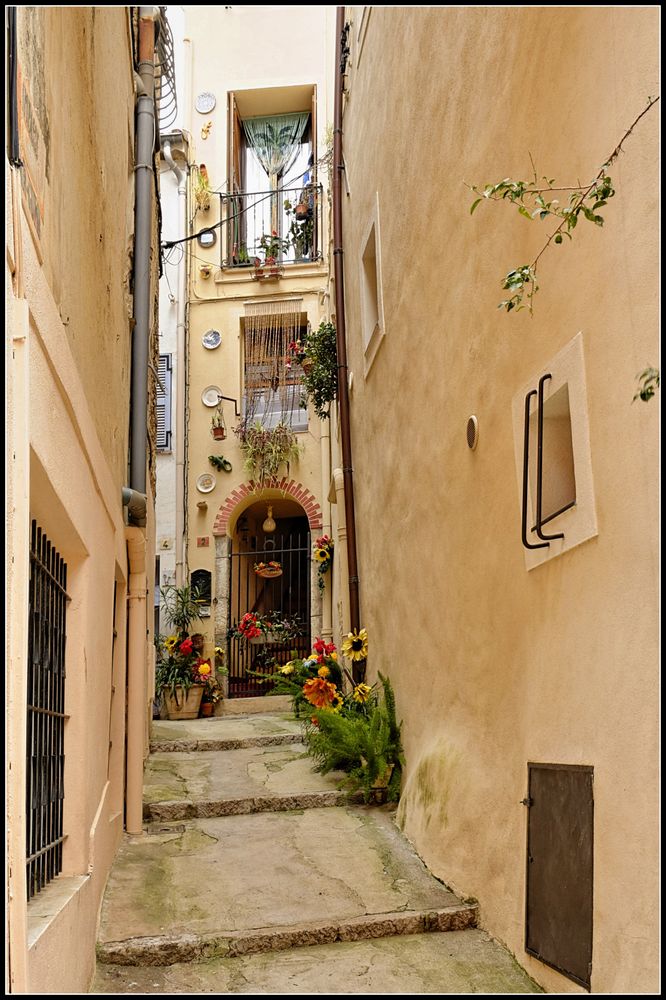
{"type": "Point", "coordinates": [185, 784]}
{"type": "Point", "coordinates": [194, 745]}
{"type": "Point", "coordinates": [270, 877]}
{"type": "Point", "coordinates": [454, 963]}
{"type": "Point", "coordinates": [233, 732]}
{"type": "Point", "coordinates": [169, 949]}
{"type": "Point", "coordinates": [185, 809]}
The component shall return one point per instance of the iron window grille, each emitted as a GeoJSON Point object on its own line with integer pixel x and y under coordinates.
{"type": "Point", "coordinates": [45, 752]}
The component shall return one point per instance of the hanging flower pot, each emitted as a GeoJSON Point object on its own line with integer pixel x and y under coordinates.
{"type": "Point", "coordinates": [307, 364]}
{"type": "Point", "coordinates": [219, 433]}
{"type": "Point", "coordinates": [268, 570]}
{"type": "Point", "coordinates": [302, 211]}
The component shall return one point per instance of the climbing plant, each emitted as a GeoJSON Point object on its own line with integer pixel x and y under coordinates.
{"type": "Point", "coordinates": [534, 202]}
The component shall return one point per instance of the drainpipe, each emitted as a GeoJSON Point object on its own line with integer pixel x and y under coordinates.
{"type": "Point", "coordinates": [327, 596]}
{"type": "Point", "coordinates": [143, 207]}
{"type": "Point", "coordinates": [341, 341]}
{"type": "Point", "coordinates": [181, 285]}
{"type": "Point", "coordinates": [136, 678]}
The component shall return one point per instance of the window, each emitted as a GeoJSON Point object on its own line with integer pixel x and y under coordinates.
{"type": "Point", "coordinates": [273, 149]}
{"type": "Point", "coordinates": [46, 712]}
{"type": "Point", "coordinates": [372, 307]}
{"type": "Point", "coordinates": [163, 403]}
{"type": "Point", "coordinates": [271, 375]}
{"type": "Point", "coordinates": [551, 438]}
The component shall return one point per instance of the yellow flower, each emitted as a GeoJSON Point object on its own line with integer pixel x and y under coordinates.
{"type": "Point", "coordinates": [170, 642]}
{"type": "Point", "coordinates": [361, 693]}
{"type": "Point", "coordinates": [288, 668]}
{"type": "Point", "coordinates": [321, 555]}
{"type": "Point", "coordinates": [337, 702]}
{"type": "Point", "coordinates": [323, 672]}
{"type": "Point", "coordinates": [355, 645]}
{"type": "Point", "coordinates": [333, 655]}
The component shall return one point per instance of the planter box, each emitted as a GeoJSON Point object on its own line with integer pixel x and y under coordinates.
{"type": "Point", "coordinates": [184, 705]}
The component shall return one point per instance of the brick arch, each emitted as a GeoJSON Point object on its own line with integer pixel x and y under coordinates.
{"type": "Point", "coordinates": [248, 491]}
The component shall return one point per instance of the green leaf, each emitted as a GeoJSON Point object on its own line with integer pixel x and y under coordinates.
{"type": "Point", "coordinates": [558, 238]}
{"type": "Point", "coordinates": [477, 202]}
{"type": "Point", "coordinates": [523, 211]}
{"type": "Point", "coordinates": [543, 215]}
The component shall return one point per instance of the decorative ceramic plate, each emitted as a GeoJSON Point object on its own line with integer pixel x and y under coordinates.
{"type": "Point", "coordinates": [210, 395]}
{"type": "Point", "coordinates": [205, 102]}
{"type": "Point", "coordinates": [212, 339]}
{"type": "Point", "coordinates": [206, 483]}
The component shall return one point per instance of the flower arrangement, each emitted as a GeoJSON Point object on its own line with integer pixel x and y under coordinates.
{"type": "Point", "coordinates": [176, 665]}
{"type": "Point", "coordinates": [323, 555]}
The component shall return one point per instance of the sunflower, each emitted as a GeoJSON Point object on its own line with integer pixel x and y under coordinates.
{"type": "Point", "coordinates": [321, 555]}
{"type": "Point", "coordinates": [361, 693]}
{"type": "Point", "coordinates": [319, 692]}
{"type": "Point", "coordinates": [355, 645]}
{"type": "Point", "coordinates": [170, 643]}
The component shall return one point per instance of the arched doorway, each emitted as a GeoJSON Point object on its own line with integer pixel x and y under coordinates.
{"type": "Point", "coordinates": [285, 598]}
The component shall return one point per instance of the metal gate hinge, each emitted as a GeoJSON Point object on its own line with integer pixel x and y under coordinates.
{"type": "Point", "coordinates": [527, 802]}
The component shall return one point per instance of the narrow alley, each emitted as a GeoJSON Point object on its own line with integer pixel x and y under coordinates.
{"type": "Point", "coordinates": [256, 876]}
{"type": "Point", "coordinates": [333, 440]}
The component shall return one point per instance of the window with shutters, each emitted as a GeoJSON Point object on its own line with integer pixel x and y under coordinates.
{"type": "Point", "coordinates": [163, 403]}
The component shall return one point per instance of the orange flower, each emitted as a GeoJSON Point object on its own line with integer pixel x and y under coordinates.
{"type": "Point", "coordinates": [319, 692]}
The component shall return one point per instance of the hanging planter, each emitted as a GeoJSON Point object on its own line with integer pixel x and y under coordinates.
{"type": "Point", "coordinates": [219, 428]}
{"type": "Point", "coordinates": [302, 211]}
{"type": "Point", "coordinates": [268, 570]}
{"type": "Point", "coordinates": [307, 364]}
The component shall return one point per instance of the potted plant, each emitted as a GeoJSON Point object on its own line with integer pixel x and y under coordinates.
{"type": "Point", "coordinates": [212, 688]}
{"type": "Point", "coordinates": [266, 449]}
{"type": "Point", "coordinates": [301, 228]}
{"type": "Point", "coordinates": [202, 188]}
{"type": "Point", "coordinates": [178, 654]}
{"type": "Point", "coordinates": [320, 368]}
{"type": "Point", "coordinates": [218, 428]}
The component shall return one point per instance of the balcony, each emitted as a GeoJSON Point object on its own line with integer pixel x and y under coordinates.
{"type": "Point", "coordinates": [279, 228]}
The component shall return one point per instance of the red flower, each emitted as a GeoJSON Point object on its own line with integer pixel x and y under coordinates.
{"type": "Point", "coordinates": [323, 648]}
{"type": "Point", "coordinates": [186, 646]}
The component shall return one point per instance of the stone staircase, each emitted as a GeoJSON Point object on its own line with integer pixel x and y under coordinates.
{"type": "Point", "coordinates": [248, 856]}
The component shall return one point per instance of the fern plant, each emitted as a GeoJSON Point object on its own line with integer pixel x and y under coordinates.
{"type": "Point", "coordinates": [367, 746]}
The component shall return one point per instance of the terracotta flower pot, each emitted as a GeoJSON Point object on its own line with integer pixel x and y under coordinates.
{"type": "Point", "coordinates": [207, 709]}
{"type": "Point", "coordinates": [219, 433]}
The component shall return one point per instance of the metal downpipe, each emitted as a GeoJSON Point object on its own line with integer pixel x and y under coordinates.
{"type": "Point", "coordinates": [144, 167]}
{"type": "Point", "coordinates": [341, 341]}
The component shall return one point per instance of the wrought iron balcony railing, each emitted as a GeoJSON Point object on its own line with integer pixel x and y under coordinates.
{"type": "Point", "coordinates": [286, 225]}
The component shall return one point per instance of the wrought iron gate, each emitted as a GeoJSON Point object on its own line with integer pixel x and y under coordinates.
{"type": "Point", "coordinates": [287, 594]}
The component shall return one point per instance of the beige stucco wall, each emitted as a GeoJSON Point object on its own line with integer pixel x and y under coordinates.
{"type": "Point", "coordinates": [495, 666]}
{"type": "Point", "coordinates": [251, 48]}
{"type": "Point", "coordinates": [69, 312]}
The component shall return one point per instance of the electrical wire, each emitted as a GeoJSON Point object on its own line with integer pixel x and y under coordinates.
{"type": "Point", "coordinates": [231, 218]}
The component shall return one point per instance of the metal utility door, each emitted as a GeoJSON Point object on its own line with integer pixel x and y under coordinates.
{"type": "Point", "coordinates": [288, 594]}
{"type": "Point", "coordinates": [559, 868]}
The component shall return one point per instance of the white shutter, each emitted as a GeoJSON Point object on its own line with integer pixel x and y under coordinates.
{"type": "Point", "coordinates": [163, 403]}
